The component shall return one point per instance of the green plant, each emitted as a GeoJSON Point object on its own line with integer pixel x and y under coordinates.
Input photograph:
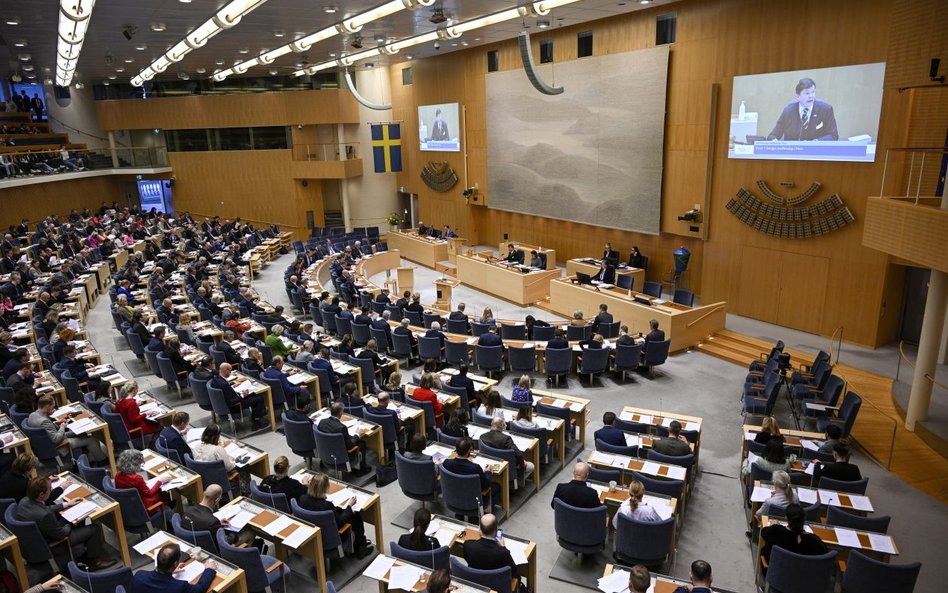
{"type": "Point", "coordinates": [394, 219]}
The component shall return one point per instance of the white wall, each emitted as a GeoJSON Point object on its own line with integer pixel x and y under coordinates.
{"type": "Point", "coordinates": [79, 115]}
{"type": "Point", "coordinates": [374, 195]}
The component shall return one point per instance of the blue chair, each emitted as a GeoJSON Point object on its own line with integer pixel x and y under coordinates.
{"type": "Point", "coordinates": [360, 333]}
{"type": "Point", "coordinates": [369, 372]}
{"type": "Point", "coordinates": [381, 339]}
{"type": "Point", "coordinates": [580, 530]}
{"type": "Point", "coordinates": [276, 500]}
{"type": "Point", "coordinates": [430, 348]}
{"type": "Point", "coordinates": [36, 550]}
{"type": "Point", "coordinates": [218, 355]}
{"type": "Point", "coordinates": [522, 359]}
{"type": "Point", "coordinates": [103, 581]}
{"type": "Point", "coordinates": [401, 347]}
{"type": "Point", "coordinates": [666, 486]}
{"type": "Point", "coordinates": [277, 393]}
{"type": "Point", "coordinates": [868, 575]}
{"type": "Point", "coordinates": [329, 322]}
{"type": "Point", "coordinates": [604, 475]}
{"type": "Point", "coordinates": [343, 326]}
{"type": "Point", "coordinates": [656, 353]}
{"type": "Point", "coordinates": [457, 326]}
{"type": "Point", "coordinates": [300, 438]}
{"type": "Point", "coordinates": [461, 494]}
{"type": "Point", "coordinates": [335, 539]}
{"type": "Point", "coordinates": [93, 475]}
{"type": "Point", "coordinates": [625, 281]}
{"type": "Point", "coordinates": [644, 542]}
{"type": "Point", "coordinates": [431, 419]}
{"type": "Point", "coordinates": [201, 396]}
{"type": "Point", "coordinates": [543, 333]}
{"type": "Point", "coordinates": [652, 289]}
{"type": "Point", "coordinates": [456, 353]}
{"type": "Point", "coordinates": [846, 416]}
{"type": "Point", "coordinates": [429, 318]}
{"type": "Point", "coordinates": [480, 419]}
{"type": "Point", "coordinates": [435, 559]}
{"type": "Point", "coordinates": [220, 407]}
{"type": "Point", "coordinates": [212, 472]}
{"type": "Point", "coordinates": [507, 455]}
{"type": "Point", "coordinates": [593, 362]}
{"type": "Point", "coordinates": [446, 438]}
{"type": "Point", "coordinates": [497, 580]}
{"type": "Point", "coordinates": [390, 434]}
{"type": "Point", "coordinates": [839, 517]}
{"type": "Point", "coordinates": [43, 446]}
{"type": "Point", "coordinates": [135, 343]}
{"type": "Point", "coordinates": [72, 387]}
{"type": "Point", "coordinates": [461, 392]}
{"type": "Point", "coordinates": [136, 517]}
{"type": "Point", "coordinates": [17, 416]}
{"type": "Point", "coordinates": [577, 333]}
{"type": "Point", "coordinates": [561, 413]}
{"type": "Point", "coordinates": [151, 357]}
{"type": "Point", "coordinates": [513, 331]}
{"type": "Point", "coordinates": [628, 358]}
{"type": "Point", "coordinates": [489, 358]}
{"type": "Point", "coordinates": [544, 441]}
{"type": "Point", "coordinates": [414, 318]}
{"type": "Point", "coordinates": [479, 329]}
{"type": "Point", "coordinates": [121, 436]}
{"type": "Point", "coordinates": [264, 573]}
{"type": "Point", "coordinates": [685, 461]}
{"type": "Point", "coordinates": [684, 297]}
{"type": "Point", "coordinates": [605, 447]}
{"type": "Point", "coordinates": [850, 486]}
{"type": "Point", "coordinates": [332, 451]}
{"type": "Point", "coordinates": [203, 539]}
{"type": "Point", "coordinates": [789, 572]}
{"type": "Point", "coordinates": [171, 454]}
{"type": "Point", "coordinates": [417, 478]}
{"type": "Point", "coordinates": [558, 361]}
{"type": "Point", "coordinates": [171, 378]}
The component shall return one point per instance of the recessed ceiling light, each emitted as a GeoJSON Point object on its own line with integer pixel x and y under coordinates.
{"type": "Point", "coordinates": [300, 64]}
{"type": "Point", "coordinates": [157, 27]}
{"type": "Point", "coordinates": [141, 47]}
{"type": "Point", "coordinates": [543, 23]}
{"type": "Point", "coordinates": [370, 65]}
{"type": "Point", "coordinates": [455, 44]}
{"type": "Point", "coordinates": [31, 76]}
{"type": "Point", "coordinates": [19, 44]}
{"type": "Point", "coordinates": [185, 1]}
{"type": "Point", "coordinates": [409, 57]}
{"type": "Point", "coordinates": [112, 77]}
{"type": "Point", "coordinates": [279, 34]}
{"type": "Point", "coordinates": [329, 9]}
{"type": "Point", "coordinates": [128, 60]}
{"type": "Point", "coordinates": [243, 50]}
{"type": "Point", "coordinates": [645, 1]}
{"type": "Point", "coordinates": [465, 43]}
{"type": "Point", "coordinates": [24, 57]}
{"type": "Point", "coordinates": [274, 72]}
{"type": "Point", "coordinates": [13, 21]}
{"type": "Point", "coordinates": [200, 70]}
{"type": "Point", "coordinates": [105, 82]}
{"type": "Point", "coordinates": [219, 61]}
{"type": "Point", "coordinates": [332, 54]}
{"type": "Point", "coordinates": [120, 69]}
{"type": "Point", "coordinates": [477, 39]}
{"type": "Point", "coordinates": [79, 86]}
{"type": "Point", "coordinates": [27, 67]}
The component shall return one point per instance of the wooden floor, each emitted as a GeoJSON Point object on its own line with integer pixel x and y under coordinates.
{"type": "Point", "coordinates": [912, 459]}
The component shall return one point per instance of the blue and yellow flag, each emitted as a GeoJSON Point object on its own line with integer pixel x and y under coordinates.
{"type": "Point", "coordinates": [387, 147]}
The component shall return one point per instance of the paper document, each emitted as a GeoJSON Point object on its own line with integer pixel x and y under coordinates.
{"type": "Point", "coordinates": [70, 489]}
{"type": "Point", "coordinates": [602, 458]}
{"type": "Point", "coordinates": [340, 496]}
{"type": "Point", "coordinates": [676, 472]}
{"type": "Point", "coordinates": [807, 495]}
{"type": "Point", "coordinates": [190, 571]}
{"type": "Point", "coordinates": [299, 535]}
{"type": "Point", "coordinates": [691, 426]}
{"type": "Point", "coordinates": [809, 445]}
{"type": "Point", "coordinates": [881, 543]}
{"type": "Point", "coordinates": [760, 494]}
{"type": "Point", "coordinates": [518, 550]}
{"type": "Point", "coordinates": [650, 467]}
{"type": "Point", "coordinates": [238, 521]}
{"type": "Point", "coordinates": [632, 440]}
{"type": "Point", "coordinates": [829, 498]}
{"type": "Point", "coordinates": [404, 577]}
{"type": "Point", "coordinates": [379, 567]}
{"type": "Point", "coordinates": [278, 524]}
{"type": "Point", "coordinates": [861, 502]}
{"type": "Point", "coordinates": [153, 461]}
{"type": "Point", "coordinates": [617, 582]}
{"type": "Point", "coordinates": [809, 469]}
{"type": "Point", "coordinates": [151, 543]}
{"type": "Point", "coordinates": [151, 483]}
{"type": "Point", "coordinates": [194, 434]}
{"type": "Point", "coordinates": [81, 426]}
{"type": "Point", "coordinates": [149, 407]}
{"type": "Point", "coordinates": [522, 443]}
{"type": "Point", "coordinates": [74, 513]}
{"type": "Point", "coordinates": [297, 379]}
{"type": "Point", "coordinates": [227, 513]}
{"type": "Point", "coordinates": [63, 411]}
{"type": "Point", "coordinates": [847, 538]}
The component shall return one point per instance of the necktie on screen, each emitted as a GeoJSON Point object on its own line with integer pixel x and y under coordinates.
{"type": "Point", "coordinates": [806, 116]}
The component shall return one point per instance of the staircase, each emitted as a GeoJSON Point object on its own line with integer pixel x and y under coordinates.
{"type": "Point", "coordinates": [333, 218]}
{"type": "Point", "coordinates": [741, 350]}
{"type": "Point", "coordinates": [102, 160]}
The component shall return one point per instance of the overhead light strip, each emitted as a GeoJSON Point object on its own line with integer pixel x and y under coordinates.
{"type": "Point", "coordinates": [450, 31]}
{"type": "Point", "coordinates": [74, 18]}
{"type": "Point", "coordinates": [225, 18]}
{"type": "Point", "coordinates": [353, 24]}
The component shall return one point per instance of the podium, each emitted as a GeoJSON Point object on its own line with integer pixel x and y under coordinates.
{"type": "Point", "coordinates": [443, 288]}
{"type": "Point", "coordinates": [406, 278]}
{"type": "Point", "coordinates": [454, 248]}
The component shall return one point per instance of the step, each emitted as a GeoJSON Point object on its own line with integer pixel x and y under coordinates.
{"type": "Point", "coordinates": [446, 267]}
{"type": "Point", "coordinates": [722, 353]}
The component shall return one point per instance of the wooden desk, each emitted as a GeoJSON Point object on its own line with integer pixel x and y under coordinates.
{"type": "Point", "coordinates": [443, 287]}
{"type": "Point", "coordinates": [423, 250]}
{"type": "Point", "coordinates": [526, 248]}
{"type": "Point", "coordinates": [626, 465]}
{"type": "Point", "coordinates": [107, 511]}
{"type": "Point", "coordinates": [666, 506]}
{"type": "Point", "coordinates": [310, 547]}
{"type": "Point", "coordinates": [792, 438]}
{"type": "Point", "coordinates": [588, 265]}
{"type": "Point", "coordinates": [192, 488]}
{"type": "Point", "coordinates": [10, 550]}
{"type": "Point", "coordinates": [856, 504]}
{"type": "Point", "coordinates": [578, 407]}
{"type": "Point", "coordinates": [368, 504]}
{"type": "Point", "coordinates": [388, 562]}
{"type": "Point", "coordinates": [660, 583]}
{"type": "Point", "coordinates": [556, 428]}
{"type": "Point", "coordinates": [498, 468]}
{"type": "Point", "coordinates": [458, 532]}
{"type": "Point", "coordinates": [684, 326]}
{"type": "Point", "coordinates": [229, 577]}
{"type": "Point", "coordinates": [260, 388]}
{"type": "Point", "coordinates": [18, 442]}
{"type": "Point", "coordinates": [405, 412]}
{"type": "Point", "coordinates": [99, 429]}
{"type": "Point", "coordinates": [507, 283]}
{"type": "Point", "coordinates": [529, 446]}
{"type": "Point", "coordinates": [373, 264]}
{"type": "Point", "coordinates": [372, 436]}
{"type": "Point", "coordinates": [119, 259]}
{"type": "Point", "coordinates": [656, 418]}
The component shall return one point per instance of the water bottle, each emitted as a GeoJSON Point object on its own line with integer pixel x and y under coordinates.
{"type": "Point", "coordinates": [742, 111]}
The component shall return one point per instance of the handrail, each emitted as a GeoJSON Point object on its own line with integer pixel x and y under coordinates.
{"type": "Point", "coordinates": [50, 118]}
{"type": "Point", "coordinates": [244, 219]}
{"type": "Point", "coordinates": [714, 310]}
{"type": "Point", "coordinates": [908, 361]}
{"type": "Point", "coordinates": [840, 342]}
{"type": "Point", "coordinates": [895, 428]}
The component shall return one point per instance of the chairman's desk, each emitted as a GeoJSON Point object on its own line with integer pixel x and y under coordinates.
{"type": "Point", "coordinates": [506, 282]}
{"type": "Point", "coordinates": [590, 266]}
{"type": "Point", "coordinates": [684, 326]}
{"type": "Point", "coordinates": [423, 250]}
{"type": "Point", "coordinates": [526, 248]}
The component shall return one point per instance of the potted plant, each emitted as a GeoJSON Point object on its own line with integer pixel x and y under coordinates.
{"type": "Point", "coordinates": [394, 221]}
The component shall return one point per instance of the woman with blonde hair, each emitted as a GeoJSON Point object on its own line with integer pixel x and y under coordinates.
{"type": "Point", "coordinates": [280, 482]}
{"type": "Point", "coordinates": [636, 508]}
{"type": "Point", "coordinates": [781, 493]}
{"type": "Point", "coordinates": [127, 407]}
{"type": "Point", "coordinates": [253, 364]}
{"type": "Point", "coordinates": [488, 317]}
{"type": "Point", "coordinates": [394, 386]}
{"type": "Point", "coordinates": [769, 429]}
{"type": "Point", "coordinates": [521, 391]}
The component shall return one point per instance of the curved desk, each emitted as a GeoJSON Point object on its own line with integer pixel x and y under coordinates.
{"type": "Point", "coordinates": [507, 283]}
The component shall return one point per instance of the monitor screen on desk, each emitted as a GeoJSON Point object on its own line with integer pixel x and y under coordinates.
{"type": "Point", "coordinates": [582, 278]}
{"type": "Point", "coordinates": [821, 114]}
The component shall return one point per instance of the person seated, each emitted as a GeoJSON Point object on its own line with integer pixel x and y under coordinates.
{"type": "Point", "coordinates": [792, 537]}
{"type": "Point", "coordinates": [206, 369]}
{"type": "Point", "coordinates": [127, 466]}
{"type": "Point", "coordinates": [164, 578]}
{"type": "Point", "coordinates": [636, 259]}
{"type": "Point", "coordinates": [535, 260]}
{"type": "Point", "coordinates": [181, 366]}
{"type": "Point", "coordinates": [363, 317]}
{"type": "Point", "coordinates": [674, 444]}
{"type": "Point", "coordinates": [305, 355]}
{"type": "Point", "coordinates": [416, 539]}
{"type": "Point", "coordinates": [525, 418]}
{"type": "Point", "coordinates": [253, 364]}
{"type": "Point", "coordinates": [576, 492]}
{"type": "Point", "coordinates": [394, 386]}
{"type": "Point", "coordinates": [416, 448]}
{"type": "Point", "coordinates": [700, 576]}
{"type": "Point", "coordinates": [333, 424]}
{"type": "Point", "coordinates": [595, 342]}
{"type": "Point", "coordinates": [383, 401]}
{"type": "Point", "coordinates": [833, 435]}
{"type": "Point", "coordinates": [521, 391]}
{"type": "Point", "coordinates": [491, 337]}
{"type": "Point", "coordinates": [275, 342]}
{"type": "Point", "coordinates": [769, 429]}
{"type": "Point", "coordinates": [350, 396]}
{"type": "Point", "coordinates": [460, 379]}
{"type": "Point", "coordinates": [22, 385]}
{"type": "Point", "coordinates": [462, 464]}
{"type": "Point", "coordinates": [346, 345]}
{"type": "Point", "coordinates": [654, 334]}
{"type": "Point", "coordinates": [498, 439]}
{"type": "Point", "coordinates": [127, 407]}
{"type": "Point", "coordinates": [16, 479]}
{"type": "Point", "coordinates": [559, 339]}
{"type": "Point", "coordinates": [370, 353]}
{"type": "Point", "coordinates": [210, 449]}
{"type": "Point", "coordinates": [773, 459]}
{"type": "Point", "coordinates": [435, 332]}
{"type": "Point", "coordinates": [173, 437]}
{"type": "Point", "coordinates": [609, 434]}
{"type": "Point", "coordinates": [639, 579]}
{"type": "Point", "coordinates": [634, 507]}
{"type": "Point", "coordinates": [56, 430]}
{"type": "Point", "coordinates": [604, 316]}
{"type": "Point", "coordinates": [424, 392]}
{"type": "Point", "coordinates": [488, 552]}
{"type": "Point", "coordinates": [230, 355]}
{"type": "Point", "coordinates": [280, 482]}
{"type": "Point", "coordinates": [624, 338]}
{"type": "Point", "coordinates": [840, 469]}
{"type": "Point", "coordinates": [405, 330]}
{"type": "Point", "coordinates": [415, 304]}
{"type": "Point", "coordinates": [460, 315]}
{"type": "Point", "coordinates": [315, 500]}
{"type": "Point", "coordinates": [298, 393]}
{"type": "Point", "coordinates": [513, 255]}
{"type": "Point", "coordinates": [577, 320]}
{"type": "Point", "coordinates": [456, 425]}
{"type": "Point", "coordinates": [488, 317]}
{"type": "Point", "coordinates": [781, 494]}
{"type": "Point", "coordinates": [200, 517]}
{"type": "Point", "coordinates": [530, 322]}
{"type": "Point", "coordinates": [493, 405]}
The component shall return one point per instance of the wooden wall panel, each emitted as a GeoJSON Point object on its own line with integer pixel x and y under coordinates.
{"type": "Point", "coordinates": [328, 106]}
{"type": "Point", "coordinates": [33, 202]}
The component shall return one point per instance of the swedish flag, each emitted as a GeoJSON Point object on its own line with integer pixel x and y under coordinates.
{"type": "Point", "coordinates": [387, 147]}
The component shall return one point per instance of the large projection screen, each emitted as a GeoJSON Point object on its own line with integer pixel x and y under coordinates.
{"type": "Point", "coordinates": [592, 154]}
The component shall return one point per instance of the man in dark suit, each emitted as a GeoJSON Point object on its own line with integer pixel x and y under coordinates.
{"type": "Point", "coordinates": [498, 439]}
{"type": "Point", "coordinates": [33, 507]}
{"type": "Point", "coordinates": [162, 580]}
{"type": "Point", "coordinates": [606, 273]}
{"type": "Point", "coordinates": [200, 517]}
{"type": "Point", "coordinates": [462, 380]}
{"type": "Point", "coordinates": [559, 339]}
{"type": "Point", "coordinates": [610, 255]}
{"type": "Point", "coordinates": [460, 315]}
{"type": "Point", "coordinates": [840, 469]}
{"type": "Point", "coordinates": [383, 297]}
{"type": "Point", "coordinates": [462, 464]}
{"type": "Point", "coordinates": [334, 425]}
{"type": "Point", "coordinates": [322, 362]}
{"type": "Point", "coordinates": [234, 401]}
{"type": "Point", "coordinates": [674, 444]}
{"type": "Point", "coordinates": [655, 334]}
{"type": "Point", "coordinates": [297, 393]}
{"type": "Point", "coordinates": [609, 433]}
{"type": "Point", "coordinates": [362, 317]}
{"type": "Point", "coordinates": [807, 118]}
{"type": "Point", "coordinates": [604, 316]}
{"type": "Point", "coordinates": [172, 437]}
{"type": "Point", "coordinates": [380, 322]}
{"type": "Point", "coordinates": [435, 332]}
{"type": "Point", "coordinates": [700, 578]}
{"type": "Point", "coordinates": [624, 338]}
{"type": "Point", "coordinates": [487, 552]}
{"type": "Point", "coordinates": [491, 337]}
{"type": "Point", "coordinates": [513, 254]}
{"type": "Point", "coordinates": [575, 492]}
{"type": "Point", "coordinates": [439, 129]}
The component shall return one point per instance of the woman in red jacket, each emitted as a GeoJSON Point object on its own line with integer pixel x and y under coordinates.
{"type": "Point", "coordinates": [424, 393]}
{"type": "Point", "coordinates": [132, 417]}
{"type": "Point", "coordinates": [127, 467]}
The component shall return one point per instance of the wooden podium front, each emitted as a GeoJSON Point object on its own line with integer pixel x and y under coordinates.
{"type": "Point", "coordinates": [444, 286]}
{"type": "Point", "coordinates": [406, 279]}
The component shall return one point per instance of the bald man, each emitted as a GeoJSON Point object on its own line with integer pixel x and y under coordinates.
{"type": "Point", "coordinates": [162, 580]}
{"type": "Point", "coordinates": [200, 517]}
{"type": "Point", "coordinates": [488, 552]}
{"type": "Point", "coordinates": [575, 492]}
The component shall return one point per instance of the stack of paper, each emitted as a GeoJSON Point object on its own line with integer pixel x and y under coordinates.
{"type": "Point", "coordinates": [760, 494]}
{"type": "Point", "coordinates": [404, 577]}
{"type": "Point", "coordinates": [829, 497]}
{"type": "Point", "coordinates": [279, 524]}
{"type": "Point", "coordinates": [194, 434]}
{"type": "Point", "coordinates": [227, 513]}
{"type": "Point", "coordinates": [62, 412]}
{"type": "Point", "coordinates": [297, 379]}
{"type": "Point", "coordinates": [881, 543]}
{"type": "Point", "coordinates": [847, 538]}
{"type": "Point", "coordinates": [380, 567]}
{"type": "Point", "coordinates": [861, 503]}
{"type": "Point", "coordinates": [650, 467]}
{"type": "Point", "coordinates": [245, 388]}
{"type": "Point", "coordinates": [149, 544]}
{"type": "Point", "coordinates": [807, 495]}
{"type": "Point", "coordinates": [238, 521]}
{"type": "Point", "coordinates": [81, 426]}
{"type": "Point", "coordinates": [518, 550]}
{"type": "Point", "coordinates": [809, 445]}
{"type": "Point", "coordinates": [617, 582]}
{"type": "Point", "coordinates": [298, 536]}
{"type": "Point", "coordinates": [74, 513]}
{"type": "Point", "coordinates": [190, 571]}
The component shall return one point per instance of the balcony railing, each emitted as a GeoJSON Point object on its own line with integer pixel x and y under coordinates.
{"type": "Point", "coordinates": [20, 162]}
{"type": "Point", "coordinates": [326, 152]}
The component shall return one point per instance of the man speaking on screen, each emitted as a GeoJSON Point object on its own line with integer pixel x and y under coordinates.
{"type": "Point", "coordinates": [439, 128]}
{"type": "Point", "coordinates": [806, 118]}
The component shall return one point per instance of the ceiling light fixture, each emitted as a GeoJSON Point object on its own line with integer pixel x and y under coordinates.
{"type": "Point", "coordinates": [225, 18]}
{"type": "Point", "coordinates": [13, 21]}
{"type": "Point", "coordinates": [543, 23]}
{"type": "Point", "coordinates": [200, 70]}
{"type": "Point", "coordinates": [330, 9]}
{"type": "Point", "coordinates": [19, 44]}
{"type": "Point", "coordinates": [24, 57]}
{"type": "Point", "coordinates": [274, 71]}
{"type": "Point", "coordinates": [279, 34]}
{"type": "Point", "coordinates": [141, 47]}
{"type": "Point", "coordinates": [157, 27]}
{"type": "Point", "coordinates": [73, 23]}
{"type": "Point", "coordinates": [243, 50]}
{"type": "Point", "coordinates": [348, 26]}
{"type": "Point", "coordinates": [645, 1]}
